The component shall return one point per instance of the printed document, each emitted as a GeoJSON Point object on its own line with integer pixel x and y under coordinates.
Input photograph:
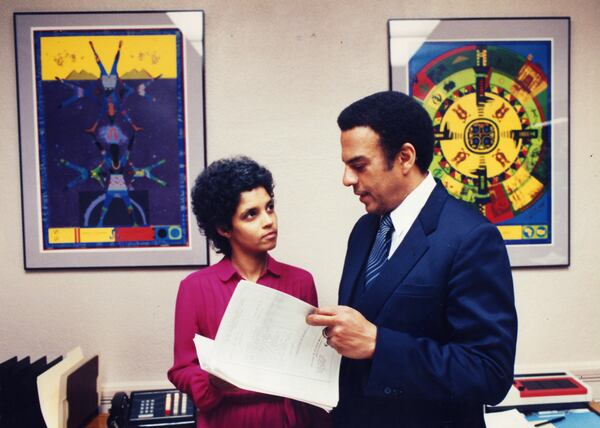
{"type": "Point", "coordinates": [506, 419]}
{"type": "Point", "coordinates": [264, 344]}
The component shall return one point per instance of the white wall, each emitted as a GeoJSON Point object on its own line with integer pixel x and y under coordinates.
{"type": "Point", "coordinates": [277, 75]}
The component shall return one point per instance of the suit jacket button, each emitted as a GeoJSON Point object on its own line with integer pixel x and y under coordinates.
{"type": "Point", "coordinates": [387, 390]}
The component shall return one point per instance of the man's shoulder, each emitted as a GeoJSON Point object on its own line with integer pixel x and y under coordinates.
{"type": "Point", "coordinates": [366, 220]}
{"type": "Point", "coordinates": [460, 217]}
{"type": "Point", "coordinates": [468, 212]}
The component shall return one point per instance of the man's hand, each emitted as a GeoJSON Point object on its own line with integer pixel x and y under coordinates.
{"type": "Point", "coordinates": [347, 331]}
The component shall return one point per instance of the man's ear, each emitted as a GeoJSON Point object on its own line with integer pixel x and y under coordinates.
{"type": "Point", "coordinates": [225, 233]}
{"type": "Point", "coordinates": [406, 157]}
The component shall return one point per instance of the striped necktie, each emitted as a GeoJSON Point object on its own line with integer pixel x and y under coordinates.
{"type": "Point", "coordinates": [380, 250]}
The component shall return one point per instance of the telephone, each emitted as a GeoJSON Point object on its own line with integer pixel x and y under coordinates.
{"type": "Point", "coordinates": [159, 408]}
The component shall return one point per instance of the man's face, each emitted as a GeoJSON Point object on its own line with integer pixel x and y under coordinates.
{"type": "Point", "coordinates": [379, 186]}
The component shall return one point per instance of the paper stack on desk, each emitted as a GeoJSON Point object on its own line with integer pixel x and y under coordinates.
{"type": "Point", "coordinates": [264, 345]}
{"type": "Point", "coordinates": [506, 419]}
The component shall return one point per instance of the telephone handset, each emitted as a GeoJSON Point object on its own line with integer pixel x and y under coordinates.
{"type": "Point", "coordinates": [160, 408]}
{"type": "Point", "coordinates": [119, 411]}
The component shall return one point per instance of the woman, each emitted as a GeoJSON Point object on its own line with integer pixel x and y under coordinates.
{"type": "Point", "coordinates": [233, 203]}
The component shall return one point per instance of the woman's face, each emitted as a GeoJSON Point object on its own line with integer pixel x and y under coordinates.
{"type": "Point", "coordinates": [254, 224]}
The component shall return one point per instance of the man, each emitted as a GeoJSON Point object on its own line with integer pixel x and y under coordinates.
{"type": "Point", "coordinates": [427, 323]}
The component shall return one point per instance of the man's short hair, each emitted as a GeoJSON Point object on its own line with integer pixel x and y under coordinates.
{"type": "Point", "coordinates": [216, 195]}
{"type": "Point", "coordinates": [397, 119]}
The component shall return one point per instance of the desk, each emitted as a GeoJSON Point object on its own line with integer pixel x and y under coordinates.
{"type": "Point", "coordinates": [576, 418]}
{"type": "Point", "coordinates": [98, 422]}
{"type": "Point", "coordinates": [573, 418]}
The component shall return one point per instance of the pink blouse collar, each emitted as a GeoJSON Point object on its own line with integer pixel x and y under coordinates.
{"type": "Point", "coordinates": [226, 271]}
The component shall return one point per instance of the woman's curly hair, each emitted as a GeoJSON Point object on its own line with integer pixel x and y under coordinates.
{"type": "Point", "coordinates": [216, 195]}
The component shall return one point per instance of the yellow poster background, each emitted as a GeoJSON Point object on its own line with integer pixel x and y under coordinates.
{"type": "Point", "coordinates": [154, 54]}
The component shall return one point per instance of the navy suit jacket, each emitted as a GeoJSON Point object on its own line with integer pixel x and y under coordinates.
{"type": "Point", "coordinates": [446, 322]}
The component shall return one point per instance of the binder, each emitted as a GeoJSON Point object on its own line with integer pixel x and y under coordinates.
{"type": "Point", "coordinates": [24, 389]}
{"type": "Point", "coordinates": [81, 393]}
{"type": "Point", "coordinates": [6, 369]}
{"type": "Point", "coordinates": [9, 399]}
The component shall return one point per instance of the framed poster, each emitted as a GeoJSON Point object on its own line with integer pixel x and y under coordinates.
{"type": "Point", "coordinates": [111, 128]}
{"type": "Point", "coordinates": [497, 91]}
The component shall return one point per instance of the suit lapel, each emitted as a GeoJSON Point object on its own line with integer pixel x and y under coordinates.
{"type": "Point", "coordinates": [393, 271]}
{"type": "Point", "coordinates": [412, 248]}
{"type": "Point", "coordinates": [357, 255]}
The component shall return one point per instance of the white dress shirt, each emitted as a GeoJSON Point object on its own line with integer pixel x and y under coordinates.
{"type": "Point", "coordinates": [405, 214]}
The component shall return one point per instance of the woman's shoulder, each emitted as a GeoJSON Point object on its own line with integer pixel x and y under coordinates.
{"type": "Point", "coordinates": [291, 272]}
{"type": "Point", "coordinates": [206, 274]}
{"type": "Point", "coordinates": [201, 273]}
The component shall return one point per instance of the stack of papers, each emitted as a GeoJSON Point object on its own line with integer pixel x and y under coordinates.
{"type": "Point", "coordinates": [575, 418]}
{"type": "Point", "coordinates": [507, 419]}
{"type": "Point", "coordinates": [264, 345]}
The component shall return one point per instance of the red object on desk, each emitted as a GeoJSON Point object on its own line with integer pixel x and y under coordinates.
{"type": "Point", "coordinates": [544, 387]}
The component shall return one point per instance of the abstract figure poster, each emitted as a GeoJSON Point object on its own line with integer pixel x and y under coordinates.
{"type": "Point", "coordinates": [111, 126]}
{"type": "Point", "coordinates": [497, 137]}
